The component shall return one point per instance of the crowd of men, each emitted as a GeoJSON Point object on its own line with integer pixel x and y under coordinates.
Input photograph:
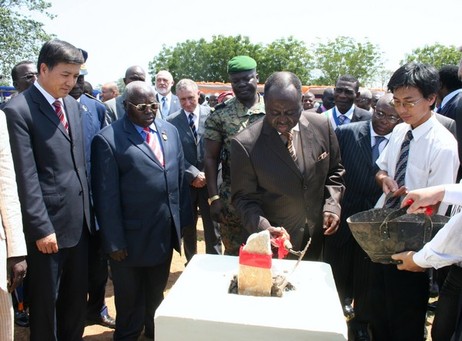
{"type": "Point", "coordinates": [121, 182]}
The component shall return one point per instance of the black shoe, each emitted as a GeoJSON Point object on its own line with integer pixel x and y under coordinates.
{"type": "Point", "coordinates": [348, 310]}
{"type": "Point", "coordinates": [21, 318]}
{"type": "Point", "coordinates": [361, 335]}
{"type": "Point", "coordinates": [432, 306]}
{"type": "Point", "coordinates": [103, 320]}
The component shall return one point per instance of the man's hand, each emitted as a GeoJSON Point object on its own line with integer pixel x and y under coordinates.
{"type": "Point", "coordinates": [199, 181]}
{"type": "Point", "coordinates": [423, 198]}
{"type": "Point", "coordinates": [217, 211]}
{"type": "Point", "coordinates": [279, 232]}
{"type": "Point", "coordinates": [16, 270]}
{"type": "Point", "coordinates": [407, 261]}
{"type": "Point", "coordinates": [48, 244]}
{"type": "Point", "coordinates": [119, 255]}
{"type": "Point", "coordinates": [389, 185]}
{"type": "Point", "coordinates": [330, 223]}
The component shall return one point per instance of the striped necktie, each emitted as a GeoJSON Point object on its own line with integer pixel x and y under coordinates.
{"type": "Point", "coordinates": [60, 113]}
{"type": "Point", "coordinates": [164, 107]}
{"type": "Point", "coordinates": [192, 125]}
{"type": "Point", "coordinates": [375, 148]}
{"type": "Point", "coordinates": [401, 166]}
{"type": "Point", "coordinates": [151, 140]}
{"type": "Point", "coordinates": [290, 145]}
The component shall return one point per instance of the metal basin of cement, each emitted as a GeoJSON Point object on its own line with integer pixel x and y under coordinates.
{"type": "Point", "coordinates": [382, 232]}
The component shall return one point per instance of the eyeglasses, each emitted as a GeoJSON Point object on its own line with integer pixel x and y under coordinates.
{"type": "Point", "coordinates": [406, 105]}
{"type": "Point", "coordinates": [144, 107]}
{"type": "Point", "coordinates": [29, 76]}
{"type": "Point", "coordinates": [382, 116]}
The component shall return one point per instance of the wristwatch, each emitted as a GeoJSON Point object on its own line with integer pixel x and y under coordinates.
{"type": "Point", "coordinates": [213, 198]}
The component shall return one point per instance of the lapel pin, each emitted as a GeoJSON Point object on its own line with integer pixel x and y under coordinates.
{"type": "Point", "coordinates": [164, 136]}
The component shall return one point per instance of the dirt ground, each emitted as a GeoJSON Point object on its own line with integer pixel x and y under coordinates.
{"type": "Point", "coordinates": [100, 333]}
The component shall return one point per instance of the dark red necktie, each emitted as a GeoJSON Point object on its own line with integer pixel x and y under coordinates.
{"type": "Point", "coordinates": [151, 140]}
{"type": "Point", "coordinates": [60, 113]}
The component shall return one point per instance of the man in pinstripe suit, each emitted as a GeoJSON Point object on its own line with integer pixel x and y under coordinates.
{"type": "Point", "coordinates": [349, 262]}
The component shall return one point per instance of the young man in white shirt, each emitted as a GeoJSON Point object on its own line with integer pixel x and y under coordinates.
{"type": "Point", "coordinates": [400, 298]}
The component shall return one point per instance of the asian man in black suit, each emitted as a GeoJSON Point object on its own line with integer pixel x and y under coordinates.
{"type": "Point", "coordinates": [48, 153]}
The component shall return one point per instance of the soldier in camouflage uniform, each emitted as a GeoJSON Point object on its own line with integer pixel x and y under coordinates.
{"type": "Point", "coordinates": [227, 120]}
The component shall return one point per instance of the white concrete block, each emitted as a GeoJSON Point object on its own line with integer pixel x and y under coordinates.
{"type": "Point", "coordinates": [199, 308]}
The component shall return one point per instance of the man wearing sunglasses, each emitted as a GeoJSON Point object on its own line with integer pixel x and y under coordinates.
{"type": "Point", "coordinates": [431, 160]}
{"type": "Point", "coordinates": [24, 75]}
{"type": "Point", "coordinates": [141, 204]}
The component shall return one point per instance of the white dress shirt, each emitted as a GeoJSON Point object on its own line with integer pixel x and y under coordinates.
{"type": "Point", "coordinates": [446, 247]}
{"type": "Point", "coordinates": [330, 114]}
{"type": "Point", "coordinates": [433, 158]}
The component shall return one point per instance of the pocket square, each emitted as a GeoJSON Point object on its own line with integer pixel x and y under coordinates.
{"type": "Point", "coordinates": [323, 156]}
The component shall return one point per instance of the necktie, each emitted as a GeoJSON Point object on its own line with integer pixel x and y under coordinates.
{"type": "Point", "coordinates": [401, 168]}
{"type": "Point", "coordinates": [192, 125]}
{"type": "Point", "coordinates": [60, 113]}
{"type": "Point", "coordinates": [290, 145]}
{"type": "Point", "coordinates": [342, 119]}
{"type": "Point", "coordinates": [151, 140]}
{"type": "Point", "coordinates": [164, 107]}
{"type": "Point", "coordinates": [375, 148]}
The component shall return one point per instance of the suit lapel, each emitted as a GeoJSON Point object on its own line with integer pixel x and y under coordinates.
{"type": "Point", "coordinates": [364, 141]}
{"type": "Point", "coordinates": [184, 125]}
{"type": "Point", "coordinates": [275, 143]}
{"type": "Point", "coordinates": [47, 110]}
{"type": "Point", "coordinates": [137, 140]}
{"type": "Point", "coordinates": [73, 116]}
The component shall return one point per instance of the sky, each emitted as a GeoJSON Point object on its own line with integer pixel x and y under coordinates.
{"type": "Point", "coordinates": [118, 34]}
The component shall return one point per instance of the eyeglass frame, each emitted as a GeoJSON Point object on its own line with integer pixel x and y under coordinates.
{"type": "Point", "coordinates": [29, 76]}
{"type": "Point", "coordinates": [143, 106]}
{"type": "Point", "coordinates": [382, 116]}
{"type": "Point", "coordinates": [406, 105]}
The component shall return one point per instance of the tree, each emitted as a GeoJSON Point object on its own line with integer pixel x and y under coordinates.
{"type": "Point", "coordinates": [201, 60]}
{"type": "Point", "coordinates": [285, 55]}
{"type": "Point", "coordinates": [20, 36]}
{"type": "Point", "coordinates": [344, 55]}
{"type": "Point", "coordinates": [437, 55]}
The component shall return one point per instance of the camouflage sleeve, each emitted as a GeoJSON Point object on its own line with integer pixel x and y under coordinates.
{"type": "Point", "coordinates": [214, 127]}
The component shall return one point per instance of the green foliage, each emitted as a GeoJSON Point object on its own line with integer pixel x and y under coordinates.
{"type": "Point", "coordinates": [206, 61]}
{"type": "Point", "coordinates": [285, 55]}
{"type": "Point", "coordinates": [437, 55]}
{"type": "Point", "coordinates": [344, 55]}
{"type": "Point", "coordinates": [201, 60]}
{"type": "Point", "coordinates": [20, 36]}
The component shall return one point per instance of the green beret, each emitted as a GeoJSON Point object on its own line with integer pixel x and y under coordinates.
{"type": "Point", "coordinates": [241, 63]}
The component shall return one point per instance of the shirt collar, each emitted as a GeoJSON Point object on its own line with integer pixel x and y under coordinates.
{"type": "Point", "coordinates": [348, 114]}
{"type": "Point", "coordinates": [449, 96]}
{"type": "Point", "coordinates": [50, 99]}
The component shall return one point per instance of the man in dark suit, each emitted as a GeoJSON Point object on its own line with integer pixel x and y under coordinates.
{"type": "Point", "coordinates": [297, 191]}
{"type": "Point", "coordinates": [450, 95]}
{"type": "Point", "coordinates": [190, 121]}
{"type": "Point", "coordinates": [360, 145]}
{"type": "Point", "coordinates": [169, 103]}
{"type": "Point", "coordinates": [141, 204]}
{"type": "Point", "coordinates": [346, 91]}
{"type": "Point", "coordinates": [115, 106]}
{"type": "Point", "coordinates": [47, 144]}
